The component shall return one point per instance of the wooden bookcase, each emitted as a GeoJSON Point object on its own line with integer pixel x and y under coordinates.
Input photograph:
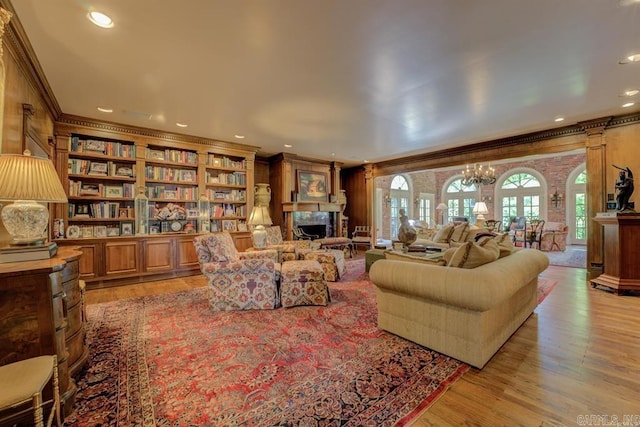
{"type": "Point", "coordinates": [104, 167]}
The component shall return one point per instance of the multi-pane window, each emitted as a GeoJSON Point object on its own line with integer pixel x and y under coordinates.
{"type": "Point", "coordinates": [580, 200]}
{"type": "Point", "coordinates": [425, 208]}
{"type": "Point", "coordinates": [399, 200]}
{"type": "Point", "coordinates": [521, 195]}
{"type": "Point", "coordinates": [460, 200]}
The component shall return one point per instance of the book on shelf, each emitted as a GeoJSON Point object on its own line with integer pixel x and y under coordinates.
{"type": "Point", "coordinates": [28, 253]}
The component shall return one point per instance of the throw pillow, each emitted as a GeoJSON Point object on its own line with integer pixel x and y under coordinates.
{"type": "Point", "coordinates": [459, 232]}
{"type": "Point", "coordinates": [472, 255]}
{"type": "Point", "coordinates": [448, 254]}
{"type": "Point", "coordinates": [505, 244]}
{"type": "Point", "coordinates": [444, 234]}
{"type": "Point", "coordinates": [399, 256]}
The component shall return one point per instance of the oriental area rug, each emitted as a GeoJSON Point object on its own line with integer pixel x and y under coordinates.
{"type": "Point", "coordinates": [168, 360]}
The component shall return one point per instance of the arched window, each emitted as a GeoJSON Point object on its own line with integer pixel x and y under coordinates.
{"type": "Point", "coordinates": [460, 200]}
{"type": "Point", "coordinates": [577, 205]}
{"type": "Point", "coordinates": [399, 200]}
{"type": "Point", "coordinates": [521, 194]}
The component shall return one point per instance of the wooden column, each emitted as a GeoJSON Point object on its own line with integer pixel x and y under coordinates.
{"type": "Point", "coordinates": [369, 183]}
{"type": "Point", "coordinates": [596, 193]}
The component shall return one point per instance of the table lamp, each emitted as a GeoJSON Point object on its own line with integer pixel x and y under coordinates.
{"type": "Point", "coordinates": [441, 208]}
{"type": "Point", "coordinates": [29, 182]}
{"type": "Point", "coordinates": [259, 218]}
{"type": "Point", "coordinates": [479, 209]}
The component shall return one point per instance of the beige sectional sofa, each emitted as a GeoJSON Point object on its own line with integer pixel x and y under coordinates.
{"type": "Point", "coordinates": [465, 313]}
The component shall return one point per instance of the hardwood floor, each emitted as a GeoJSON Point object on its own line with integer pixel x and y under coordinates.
{"type": "Point", "coordinates": [577, 355]}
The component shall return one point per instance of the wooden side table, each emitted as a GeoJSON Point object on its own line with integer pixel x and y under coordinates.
{"type": "Point", "coordinates": [621, 252]}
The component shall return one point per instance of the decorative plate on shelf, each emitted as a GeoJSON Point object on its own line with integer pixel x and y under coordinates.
{"type": "Point", "coordinates": [73, 232]}
{"type": "Point", "coordinates": [176, 226]}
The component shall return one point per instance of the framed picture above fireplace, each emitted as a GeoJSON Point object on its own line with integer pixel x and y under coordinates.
{"type": "Point", "coordinates": [311, 186]}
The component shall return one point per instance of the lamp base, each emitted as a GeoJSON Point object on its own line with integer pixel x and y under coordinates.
{"type": "Point", "coordinates": [259, 237]}
{"type": "Point", "coordinates": [26, 221]}
{"type": "Point", "coordinates": [480, 220]}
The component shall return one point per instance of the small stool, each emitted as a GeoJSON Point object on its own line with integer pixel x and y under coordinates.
{"type": "Point", "coordinates": [331, 261]}
{"type": "Point", "coordinates": [302, 283]}
{"type": "Point", "coordinates": [23, 381]}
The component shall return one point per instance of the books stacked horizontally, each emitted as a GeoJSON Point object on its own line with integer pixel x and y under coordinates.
{"type": "Point", "coordinates": [28, 253]}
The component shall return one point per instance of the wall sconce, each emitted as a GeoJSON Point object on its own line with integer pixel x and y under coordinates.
{"type": "Point", "coordinates": [387, 199]}
{"type": "Point", "coordinates": [556, 199]}
{"type": "Point", "coordinates": [417, 202]}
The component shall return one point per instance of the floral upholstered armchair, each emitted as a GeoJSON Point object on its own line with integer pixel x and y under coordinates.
{"type": "Point", "coordinates": [288, 250]}
{"type": "Point", "coordinates": [554, 237]}
{"type": "Point", "coordinates": [237, 280]}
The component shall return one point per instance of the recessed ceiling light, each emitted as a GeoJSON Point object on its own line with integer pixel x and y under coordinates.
{"type": "Point", "coordinates": [366, 161]}
{"type": "Point", "coordinates": [333, 154]}
{"type": "Point", "coordinates": [100, 19]}
{"type": "Point", "coordinates": [628, 104]}
{"type": "Point", "coordinates": [288, 145]}
{"type": "Point", "coordinates": [631, 58]}
{"type": "Point", "coordinates": [630, 92]}
{"type": "Point", "coordinates": [559, 119]}
{"type": "Point", "coordinates": [182, 125]}
{"type": "Point", "coordinates": [105, 110]}
{"type": "Point", "coordinates": [239, 136]}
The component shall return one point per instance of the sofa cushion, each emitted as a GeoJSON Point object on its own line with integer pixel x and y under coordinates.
{"type": "Point", "coordinates": [444, 234]}
{"type": "Point", "coordinates": [554, 226]}
{"type": "Point", "coordinates": [472, 255]}
{"type": "Point", "coordinates": [459, 232]}
{"type": "Point", "coordinates": [505, 244]}
{"type": "Point", "coordinates": [435, 260]}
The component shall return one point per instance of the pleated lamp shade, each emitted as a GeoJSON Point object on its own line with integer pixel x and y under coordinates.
{"type": "Point", "coordinates": [24, 177]}
{"type": "Point", "coordinates": [28, 181]}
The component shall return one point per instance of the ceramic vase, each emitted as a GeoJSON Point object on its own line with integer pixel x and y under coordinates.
{"type": "Point", "coordinates": [262, 194]}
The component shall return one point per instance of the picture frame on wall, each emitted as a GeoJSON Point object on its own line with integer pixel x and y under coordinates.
{"type": "Point", "coordinates": [311, 186]}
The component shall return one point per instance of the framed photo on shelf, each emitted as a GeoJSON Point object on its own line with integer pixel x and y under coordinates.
{"type": "Point", "coordinates": [229, 225]}
{"type": "Point", "coordinates": [124, 171]}
{"type": "Point", "coordinates": [156, 154]}
{"type": "Point", "coordinates": [154, 229]}
{"type": "Point", "coordinates": [98, 168]}
{"type": "Point", "coordinates": [87, 231]}
{"type": "Point", "coordinates": [113, 231]}
{"type": "Point", "coordinates": [93, 145]}
{"type": "Point", "coordinates": [311, 186]}
{"type": "Point", "coordinates": [126, 228]}
{"type": "Point", "coordinates": [125, 213]}
{"type": "Point", "coordinates": [192, 213]}
{"type": "Point", "coordinates": [100, 231]}
{"type": "Point", "coordinates": [170, 194]}
{"type": "Point", "coordinates": [113, 191]}
{"type": "Point", "coordinates": [242, 226]}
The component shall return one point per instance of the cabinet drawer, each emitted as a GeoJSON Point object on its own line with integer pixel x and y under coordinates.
{"type": "Point", "coordinates": [58, 312]}
{"type": "Point", "coordinates": [74, 319]}
{"type": "Point", "coordinates": [70, 271]}
{"type": "Point", "coordinates": [75, 347]}
{"type": "Point", "coordinates": [72, 292]}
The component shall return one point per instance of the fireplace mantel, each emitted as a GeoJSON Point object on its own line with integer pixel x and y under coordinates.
{"type": "Point", "coordinates": [311, 207]}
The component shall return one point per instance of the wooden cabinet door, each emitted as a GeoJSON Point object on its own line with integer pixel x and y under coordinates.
{"type": "Point", "coordinates": [187, 258]}
{"type": "Point", "coordinates": [121, 257]}
{"type": "Point", "coordinates": [90, 264]}
{"type": "Point", "coordinates": [159, 255]}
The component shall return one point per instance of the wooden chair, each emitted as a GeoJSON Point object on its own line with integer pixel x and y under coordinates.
{"type": "Point", "coordinates": [22, 383]}
{"type": "Point", "coordinates": [493, 225]}
{"type": "Point", "coordinates": [361, 236]}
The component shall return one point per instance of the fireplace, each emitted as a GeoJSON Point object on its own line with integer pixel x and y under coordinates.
{"type": "Point", "coordinates": [318, 223]}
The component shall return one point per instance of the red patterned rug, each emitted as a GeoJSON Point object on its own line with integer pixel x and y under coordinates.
{"type": "Point", "coordinates": [168, 360]}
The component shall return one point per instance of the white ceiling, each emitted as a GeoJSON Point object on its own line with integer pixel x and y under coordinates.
{"type": "Point", "coordinates": [362, 79]}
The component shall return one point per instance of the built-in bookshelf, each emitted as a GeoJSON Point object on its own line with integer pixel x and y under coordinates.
{"type": "Point", "coordinates": [101, 181]}
{"type": "Point", "coordinates": [226, 189]}
{"type": "Point", "coordinates": [171, 179]}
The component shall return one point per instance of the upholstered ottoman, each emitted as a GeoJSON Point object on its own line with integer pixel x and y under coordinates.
{"type": "Point", "coordinates": [302, 283]}
{"type": "Point", "coordinates": [331, 260]}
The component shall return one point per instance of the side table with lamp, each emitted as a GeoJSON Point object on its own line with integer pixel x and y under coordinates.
{"type": "Point", "coordinates": [40, 294]}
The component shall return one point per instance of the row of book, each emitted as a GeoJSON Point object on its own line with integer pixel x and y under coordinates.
{"type": "Point", "coordinates": [176, 156]}
{"type": "Point", "coordinates": [225, 162]}
{"type": "Point", "coordinates": [170, 174]}
{"type": "Point", "coordinates": [106, 210]}
{"type": "Point", "coordinates": [219, 210]}
{"type": "Point", "coordinates": [88, 167]}
{"type": "Point", "coordinates": [79, 188]}
{"type": "Point", "coordinates": [232, 195]}
{"type": "Point", "coordinates": [177, 193]}
{"type": "Point", "coordinates": [235, 178]}
{"type": "Point", "coordinates": [109, 148]}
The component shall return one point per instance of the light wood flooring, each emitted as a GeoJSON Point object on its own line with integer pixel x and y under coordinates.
{"type": "Point", "coordinates": [577, 355]}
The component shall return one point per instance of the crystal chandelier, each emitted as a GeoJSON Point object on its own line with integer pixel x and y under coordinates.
{"type": "Point", "coordinates": [478, 175]}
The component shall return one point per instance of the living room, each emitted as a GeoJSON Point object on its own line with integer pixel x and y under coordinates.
{"type": "Point", "coordinates": [579, 341]}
